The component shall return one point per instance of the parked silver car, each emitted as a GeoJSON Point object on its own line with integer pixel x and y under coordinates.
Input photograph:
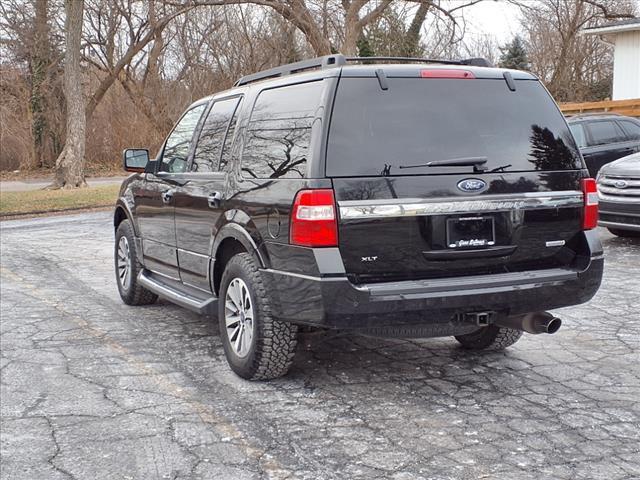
{"type": "Point", "coordinates": [619, 194]}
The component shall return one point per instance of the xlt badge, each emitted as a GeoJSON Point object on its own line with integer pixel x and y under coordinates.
{"type": "Point", "coordinates": [369, 259]}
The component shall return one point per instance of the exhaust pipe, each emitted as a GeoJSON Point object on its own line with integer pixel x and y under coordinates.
{"type": "Point", "coordinates": [535, 322]}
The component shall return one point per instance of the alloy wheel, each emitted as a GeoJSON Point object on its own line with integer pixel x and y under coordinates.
{"type": "Point", "coordinates": [124, 263]}
{"type": "Point", "coordinates": [238, 316]}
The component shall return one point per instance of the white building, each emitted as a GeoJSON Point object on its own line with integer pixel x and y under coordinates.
{"type": "Point", "coordinates": [625, 36]}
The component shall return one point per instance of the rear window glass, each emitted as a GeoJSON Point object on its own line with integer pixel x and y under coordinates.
{"type": "Point", "coordinates": [279, 132]}
{"type": "Point", "coordinates": [415, 121]}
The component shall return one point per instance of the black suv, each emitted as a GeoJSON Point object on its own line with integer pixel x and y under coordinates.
{"type": "Point", "coordinates": [405, 199]}
{"type": "Point", "coordinates": [603, 138]}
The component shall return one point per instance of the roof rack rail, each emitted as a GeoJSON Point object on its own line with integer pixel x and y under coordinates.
{"type": "Point", "coordinates": [327, 61]}
{"type": "Point", "coordinates": [337, 60]}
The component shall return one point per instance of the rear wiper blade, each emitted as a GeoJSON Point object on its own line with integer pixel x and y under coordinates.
{"type": "Point", "coordinates": [476, 162]}
{"type": "Point", "coordinates": [500, 169]}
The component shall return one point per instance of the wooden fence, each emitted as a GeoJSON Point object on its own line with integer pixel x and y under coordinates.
{"type": "Point", "coordinates": [622, 107]}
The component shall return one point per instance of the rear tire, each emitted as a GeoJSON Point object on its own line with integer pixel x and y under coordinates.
{"type": "Point", "coordinates": [257, 345]}
{"type": "Point", "coordinates": [491, 337]}
{"type": "Point", "coordinates": [624, 233]}
{"type": "Point", "coordinates": [127, 268]}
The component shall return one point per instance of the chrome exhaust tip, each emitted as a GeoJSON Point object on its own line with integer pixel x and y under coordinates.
{"type": "Point", "coordinates": [534, 323]}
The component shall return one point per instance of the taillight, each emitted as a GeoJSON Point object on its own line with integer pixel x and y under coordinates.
{"type": "Point", "coordinates": [446, 73]}
{"type": "Point", "coordinates": [590, 214]}
{"type": "Point", "coordinates": [313, 219]}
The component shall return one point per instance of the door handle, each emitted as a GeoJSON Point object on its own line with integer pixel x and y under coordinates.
{"type": "Point", "coordinates": [214, 200]}
{"type": "Point", "coordinates": [167, 195]}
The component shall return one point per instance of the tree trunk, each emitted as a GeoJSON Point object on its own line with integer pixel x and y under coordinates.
{"type": "Point", "coordinates": [351, 35]}
{"type": "Point", "coordinates": [39, 65]}
{"type": "Point", "coordinates": [411, 46]}
{"type": "Point", "coordinates": [70, 164]}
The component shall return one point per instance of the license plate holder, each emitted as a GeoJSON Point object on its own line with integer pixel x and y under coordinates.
{"type": "Point", "coordinates": [471, 232]}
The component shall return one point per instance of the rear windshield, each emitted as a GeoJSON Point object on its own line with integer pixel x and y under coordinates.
{"type": "Point", "coordinates": [415, 121]}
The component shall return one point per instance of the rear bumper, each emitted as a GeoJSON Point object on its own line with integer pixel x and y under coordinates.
{"type": "Point", "coordinates": [335, 302]}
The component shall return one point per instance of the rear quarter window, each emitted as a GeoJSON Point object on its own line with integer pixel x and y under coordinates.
{"type": "Point", "coordinates": [279, 131]}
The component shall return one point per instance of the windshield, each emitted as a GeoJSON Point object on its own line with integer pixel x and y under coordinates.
{"type": "Point", "coordinates": [417, 121]}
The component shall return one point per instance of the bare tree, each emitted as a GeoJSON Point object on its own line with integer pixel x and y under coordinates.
{"type": "Point", "coordinates": [28, 42]}
{"type": "Point", "coordinates": [70, 163]}
{"type": "Point", "coordinates": [571, 65]}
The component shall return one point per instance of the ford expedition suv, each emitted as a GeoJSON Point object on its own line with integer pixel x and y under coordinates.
{"type": "Point", "coordinates": [390, 197]}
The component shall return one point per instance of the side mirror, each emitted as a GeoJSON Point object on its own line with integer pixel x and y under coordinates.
{"type": "Point", "coordinates": [135, 159]}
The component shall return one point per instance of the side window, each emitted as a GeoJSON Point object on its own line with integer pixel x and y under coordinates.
{"type": "Point", "coordinates": [209, 147]}
{"type": "Point", "coordinates": [578, 133]}
{"type": "Point", "coordinates": [279, 131]}
{"type": "Point", "coordinates": [632, 129]}
{"type": "Point", "coordinates": [228, 140]}
{"type": "Point", "coordinates": [604, 132]}
{"type": "Point", "coordinates": [176, 148]}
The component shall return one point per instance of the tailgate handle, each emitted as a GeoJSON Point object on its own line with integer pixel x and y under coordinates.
{"type": "Point", "coordinates": [451, 254]}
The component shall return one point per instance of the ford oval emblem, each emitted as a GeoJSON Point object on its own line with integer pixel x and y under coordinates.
{"type": "Point", "coordinates": [472, 185]}
{"type": "Point", "coordinates": [621, 184]}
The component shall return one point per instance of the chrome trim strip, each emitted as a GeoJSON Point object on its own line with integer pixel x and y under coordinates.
{"type": "Point", "coordinates": [624, 199]}
{"type": "Point", "coordinates": [410, 207]}
{"type": "Point", "coordinates": [627, 191]}
{"type": "Point", "coordinates": [611, 182]}
{"type": "Point", "coordinates": [303, 276]}
{"type": "Point", "coordinates": [470, 285]}
{"type": "Point", "coordinates": [621, 226]}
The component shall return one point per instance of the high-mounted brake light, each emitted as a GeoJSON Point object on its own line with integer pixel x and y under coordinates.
{"type": "Point", "coordinates": [313, 219]}
{"type": "Point", "coordinates": [446, 73]}
{"type": "Point", "coordinates": [590, 214]}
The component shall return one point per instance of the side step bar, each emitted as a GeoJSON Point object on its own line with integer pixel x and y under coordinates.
{"type": "Point", "coordinates": [191, 301]}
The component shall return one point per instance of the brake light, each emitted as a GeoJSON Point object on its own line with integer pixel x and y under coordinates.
{"type": "Point", "coordinates": [590, 214]}
{"type": "Point", "coordinates": [446, 73]}
{"type": "Point", "coordinates": [313, 219]}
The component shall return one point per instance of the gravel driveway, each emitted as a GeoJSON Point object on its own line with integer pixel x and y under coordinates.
{"type": "Point", "coordinates": [93, 389]}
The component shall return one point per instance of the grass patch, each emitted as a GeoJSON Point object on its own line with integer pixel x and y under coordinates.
{"type": "Point", "coordinates": [41, 201]}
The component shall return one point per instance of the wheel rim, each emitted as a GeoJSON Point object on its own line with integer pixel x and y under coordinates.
{"type": "Point", "coordinates": [238, 317]}
{"type": "Point", "coordinates": [123, 262]}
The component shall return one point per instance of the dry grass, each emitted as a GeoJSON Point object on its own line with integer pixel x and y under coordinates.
{"type": "Point", "coordinates": [42, 201]}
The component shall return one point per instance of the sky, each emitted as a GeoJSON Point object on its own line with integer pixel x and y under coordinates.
{"type": "Point", "coordinates": [492, 17]}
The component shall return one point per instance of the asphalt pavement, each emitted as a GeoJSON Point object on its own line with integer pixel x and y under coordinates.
{"type": "Point", "coordinates": [94, 389]}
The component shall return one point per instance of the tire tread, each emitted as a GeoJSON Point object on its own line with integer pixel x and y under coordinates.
{"type": "Point", "coordinates": [490, 338]}
{"type": "Point", "coordinates": [137, 294]}
{"type": "Point", "coordinates": [276, 341]}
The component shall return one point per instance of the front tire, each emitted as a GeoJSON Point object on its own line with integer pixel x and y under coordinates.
{"type": "Point", "coordinates": [257, 345]}
{"type": "Point", "coordinates": [490, 337]}
{"type": "Point", "coordinates": [127, 268]}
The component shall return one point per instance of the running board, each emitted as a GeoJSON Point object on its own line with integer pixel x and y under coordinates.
{"type": "Point", "coordinates": [200, 304]}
